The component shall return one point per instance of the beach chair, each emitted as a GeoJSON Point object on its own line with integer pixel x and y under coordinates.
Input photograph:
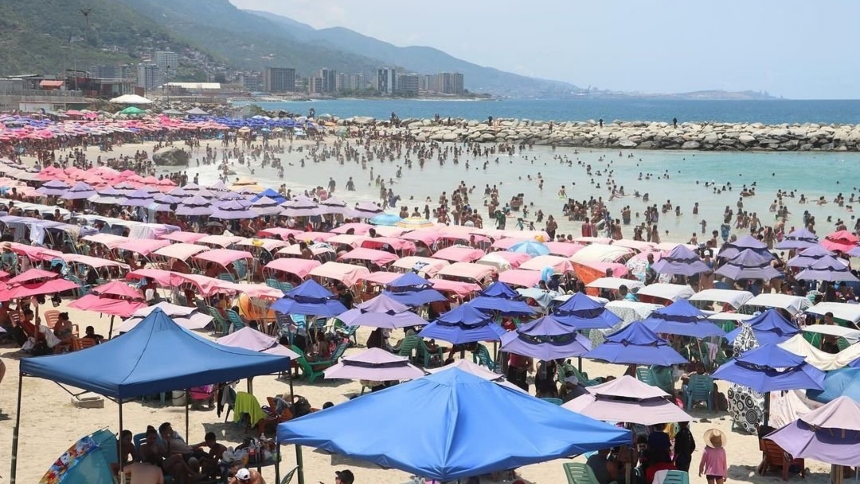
{"type": "Point", "coordinates": [577, 473]}
{"type": "Point", "coordinates": [83, 289]}
{"type": "Point", "coordinates": [699, 389]}
{"type": "Point", "coordinates": [346, 332]}
{"type": "Point", "coordinates": [408, 347]}
{"type": "Point", "coordinates": [581, 376]}
{"type": "Point", "coordinates": [842, 343]}
{"type": "Point", "coordinates": [775, 457]}
{"type": "Point", "coordinates": [51, 317]}
{"type": "Point", "coordinates": [427, 355]}
{"type": "Point", "coordinates": [644, 375]}
{"type": "Point", "coordinates": [481, 356]}
{"type": "Point", "coordinates": [814, 339]}
{"type": "Point", "coordinates": [273, 283]}
{"type": "Point", "coordinates": [226, 276]}
{"type": "Point", "coordinates": [84, 343]}
{"type": "Point", "coordinates": [221, 325]}
{"type": "Point", "coordinates": [676, 477]}
{"type": "Point", "coordinates": [314, 369]}
{"type": "Point", "coordinates": [235, 321]}
{"type": "Point", "coordinates": [289, 475]}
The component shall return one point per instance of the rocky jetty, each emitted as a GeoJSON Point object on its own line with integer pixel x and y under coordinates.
{"type": "Point", "coordinates": [171, 157]}
{"type": "Point", "coordinates": [634, 135]}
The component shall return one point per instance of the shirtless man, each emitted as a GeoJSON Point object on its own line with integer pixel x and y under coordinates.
{"type": "Point", "coordinates": [247, 476]}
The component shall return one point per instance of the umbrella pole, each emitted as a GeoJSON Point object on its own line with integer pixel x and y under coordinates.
{"type": "Point", "coordinates": [14, 469]}
{"type": "Point", "coordinates": [299, 464]}
{"type": "Point", "coordinates": [251, 385]}
{"type": "Point", "coordinates": [766, 415]}
{"type": "Point", "coordinates": [110, 331]}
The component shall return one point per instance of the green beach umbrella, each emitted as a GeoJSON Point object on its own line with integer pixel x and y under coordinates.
{"type": "Point", "coordinates": [132, 111]}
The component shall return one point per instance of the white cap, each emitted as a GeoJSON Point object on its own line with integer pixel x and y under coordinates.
{"type": "Point", "coordinates": [572, 379]}
{"type": "Point", "coordinates": [243, 474]}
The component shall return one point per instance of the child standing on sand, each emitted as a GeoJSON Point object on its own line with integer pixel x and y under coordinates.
{"type": "Point", "coordinates": [713, 464]}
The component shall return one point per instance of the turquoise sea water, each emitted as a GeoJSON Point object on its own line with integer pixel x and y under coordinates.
{"type": "Point", "coordinates": [767, 112]}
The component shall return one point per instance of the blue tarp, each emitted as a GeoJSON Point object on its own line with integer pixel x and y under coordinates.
{"type": "Point", "coordinates": [530, 247]}
{"type": "Point", "coordinates": [156, 356]}
{"type": "Point", "coordinates": [499, 297]}
{"type": "Point", "coordinates": [770, 368]}
{"type": "Point", "coordinates": [636, 345]}
{"type": "Point", "coordinates": [582, 312]}
{"type": "Point", "coordinates": [469, 427]}
{"type": "Point", "coordinates": [501, 290]}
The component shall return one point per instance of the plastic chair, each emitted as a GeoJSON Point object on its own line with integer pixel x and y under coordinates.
{"type": "Point", "coordinates": [221, 326]}
{"type": "Point", "coordinates": [699, 389]}
{"type": "Point", "coordinates": [813, 338]}
{"type": "Point", "coordinates": [676, 477]}
{"type": "Point", "coordinates": [226, 276]}
{"type": "Point", "coordinates": [842, 343]}
{"type": "Point", "coordinates": [289, 475]}
{"type": "Point", "coordinates": [236, 322]}
{"type": "Point", "coordinates": [644, 375]}
{"type": "Point", "coordinates": [481, 356]}
{"type": "Point", "coordinates": [577, 473]}
{"type": "Point", "coordinates": [775, 457]}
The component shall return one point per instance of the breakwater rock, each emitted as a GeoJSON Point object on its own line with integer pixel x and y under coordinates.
{"type": "Point", "coordinates": [636, 135]}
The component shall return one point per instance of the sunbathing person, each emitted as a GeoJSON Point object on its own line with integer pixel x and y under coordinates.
{"type": "Point", "coordinates": [209, 463]}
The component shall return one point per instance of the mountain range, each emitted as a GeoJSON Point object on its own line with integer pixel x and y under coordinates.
{"type": "Point", "coordinates": [215, 37]}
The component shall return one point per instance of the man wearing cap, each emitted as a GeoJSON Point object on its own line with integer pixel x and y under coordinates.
{"type": "Point", "coordinates": [344, 477]}
{"type": "Point", "coordinates": [247, 476]}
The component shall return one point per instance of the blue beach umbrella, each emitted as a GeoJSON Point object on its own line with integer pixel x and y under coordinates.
{"type": "Point", "coordinates": [309, 299]}
{"type": "Point", "coordinates": [503, 300]}
{"type": "Point", "coordinates": [462, 412]}
{"type": "Point", "coordinates": [413, 290]}
{"type": "Point", "coordinates": [87, 460]}
{"type": "Point", "coordinates": [636, 345]}
{"type": "Point", "coordinates": [530, 247]}
{"type": "Point", "coordinates": [684, 319]}
{"type": "Point", "coordinates": [545, 339]}
{"type": "Point", "coordinates": [844, 382]}
{"type": "Point", "coordinates": [680, 261]}
{"type": "Point", "coordinates": [768, 327]}
{"type": "Point", "coordinates": [464, 324]}
{"type": "Point", "coordinates": [770, 368]}
{"type": "Point", "coordinates": [582, 312]}
{"type": "Point", "coordinates": [386, 219]}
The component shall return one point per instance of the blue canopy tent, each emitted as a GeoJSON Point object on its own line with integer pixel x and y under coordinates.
{"type": "Point", "coordinates": [309, 299]}
{"type": "Point", "coordinates": [684, 319]}
{"type": "Point", "coordinates": [545, 339]}
{"type": "Point", "coordinates": [501, 299]}
{"type": "Point", "coordinates": [134, 365]}
{"type": "Point", "coordinates": [413, 290]}
{"type": "Point", "coordinates": [768, 327]}
{"type": "Point", "coordinates": [636, 345]}
{"type": "Point", "coordinates": [584, 313]}
{"type": "Point", "coordinates": [463, 414]}
{"type": "Point", "coordinates": [770, 368]}
{"type": "Point", "coordinates": [463, 324]}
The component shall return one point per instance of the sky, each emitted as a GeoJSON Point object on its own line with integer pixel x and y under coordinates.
{"type": "Point", "coordinates": [790, 48]}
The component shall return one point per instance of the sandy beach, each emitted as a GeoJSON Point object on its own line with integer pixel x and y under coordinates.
{"type": "Point", "coordinates": [50, 423]}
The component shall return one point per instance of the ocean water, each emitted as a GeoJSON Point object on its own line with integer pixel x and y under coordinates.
{"type": "Point", "coordinates": [811, 174]}
{"type": "Point", "coordinates": [768, 112]}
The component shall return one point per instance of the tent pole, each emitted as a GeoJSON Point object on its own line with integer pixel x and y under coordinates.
{"type": "Point", "coordinates": [251, 385]}
{"type": "Point", "coordinates": [121, 459]}
{"type": "Point", "coordinates": [110, 331]}
{"type": "Point", "coordinates": [299, 464]}
{"type": "Point", "coordinates": [12, 472]}
{"type": "Point", "coordinates": [187, 393]}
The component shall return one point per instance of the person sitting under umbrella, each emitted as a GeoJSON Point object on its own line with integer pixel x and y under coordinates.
{"type": "Point", "coordinates": [64, 331]}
